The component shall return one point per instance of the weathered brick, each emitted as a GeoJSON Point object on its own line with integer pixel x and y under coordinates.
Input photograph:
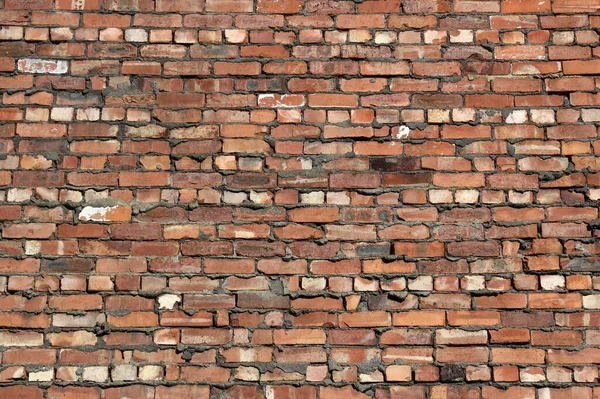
{"type": "Point", "coordinates": [298, 183]}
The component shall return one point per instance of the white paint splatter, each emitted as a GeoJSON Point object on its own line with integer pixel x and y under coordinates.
{"type": "Point", "coordinates": [96, 214]}
{"type": "Point", "coordinates": [103, 214]}
{"type": "Point", "coordinates": [278, 100]}
{"type": "Point", "coordinates": [36, 65]}
{"type": "Point", "coordinates": [403, 132]}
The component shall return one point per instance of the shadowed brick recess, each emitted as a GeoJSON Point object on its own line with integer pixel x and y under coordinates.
{"type": "Point", "coordinates": [299, 199]}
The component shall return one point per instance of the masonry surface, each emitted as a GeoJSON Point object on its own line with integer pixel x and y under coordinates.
{"type": "Point", "coordinates": [248, 199]}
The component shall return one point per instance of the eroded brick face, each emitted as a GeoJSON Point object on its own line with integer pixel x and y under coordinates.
{"type": "Point", "coordinates": [391, 199]}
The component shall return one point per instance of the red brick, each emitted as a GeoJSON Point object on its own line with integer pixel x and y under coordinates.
{"type": "Point", "coordinates": [185, 5]}
{"type": "Point", "coordinates": [28, 4]}
{"type": "Point", "coordinates": [520, 7]}
{"type": "Point", "coordinates": [21, 391]}
{"type": "Point", "coordinates": [565, 6]}
{"type": "Point", "coordinates": [581, 67]}
{"type": "Point", "coordinates": [238, 68]}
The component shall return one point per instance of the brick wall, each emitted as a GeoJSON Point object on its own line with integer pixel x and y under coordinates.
{"type": "Point", "coordinates": [393, 199]}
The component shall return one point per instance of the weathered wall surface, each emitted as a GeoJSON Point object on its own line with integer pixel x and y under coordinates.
{"type": "Point", "coordinates": [299, 199]}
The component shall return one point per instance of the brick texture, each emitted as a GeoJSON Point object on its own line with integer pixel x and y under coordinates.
{"type": "Point", "coordinates": [385, 199]}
